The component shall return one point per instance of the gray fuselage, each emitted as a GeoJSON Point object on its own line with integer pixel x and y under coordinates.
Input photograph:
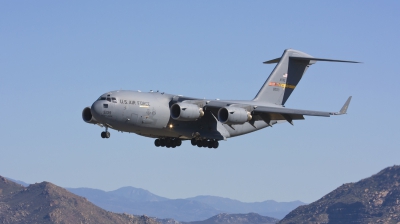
{"type": "Point", "coordinates": [148, 114]}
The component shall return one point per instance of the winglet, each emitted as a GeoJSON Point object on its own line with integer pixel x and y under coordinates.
{"type": "Point", "coordinates": [344, 108]}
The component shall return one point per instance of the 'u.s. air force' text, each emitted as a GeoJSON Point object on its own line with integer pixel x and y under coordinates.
{"type": "Point", "coordinates": [140, 103]}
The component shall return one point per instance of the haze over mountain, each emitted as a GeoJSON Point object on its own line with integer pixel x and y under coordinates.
{"type": "Point", "coordinates": [138, 201]}
{"type": "Point", "coordinates": [250, 218]}
{"type": "Point", "coordinates": [269, 208]}
{"type": "Point", "coordinates": [18, 182]}
{"type": "Point", "coordinates": [47, 203]}
{"type": "Point", "coordinates": [372, 200]}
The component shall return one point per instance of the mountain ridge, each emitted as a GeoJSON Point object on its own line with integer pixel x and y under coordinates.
{"type": "Point", "coordinates": [375, 199]}
{"type": "Point", "coordinates": [269, 208]}
{"type": "Point", "coordinates": [165, 208]}
{"type": "Point", "coordinates": [250, 218]}
{"type": "Point", "coordinates": [47, 203]}
{"type": "Point", "coordinates": [139, 201]}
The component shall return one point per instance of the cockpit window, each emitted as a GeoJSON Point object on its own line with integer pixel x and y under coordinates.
{"type": "Point", "coordinates": [108, 99]}
{"type": "Point", "coordinates": [114, 100]}
{"type": "Point", "coordinates": [101, 98]}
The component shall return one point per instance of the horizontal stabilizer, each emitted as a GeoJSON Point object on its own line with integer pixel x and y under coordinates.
{"type": "Point", "coordinates": [321, 59]}
{"type": "Point", "coordinates": [276, 60]}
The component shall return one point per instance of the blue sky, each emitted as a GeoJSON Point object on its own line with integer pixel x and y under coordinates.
{"type": "Point", "coordinates": [57, 57]}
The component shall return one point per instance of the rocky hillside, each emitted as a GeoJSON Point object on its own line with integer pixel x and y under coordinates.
{"type": "Point", "coordinates": [372, 200]}
{"type": "Point", "coordinates": [251, 218]}
{"type": "Point", "coordinates": [47, 203]}
{"type": "Point", "coordinates": [8, 188]}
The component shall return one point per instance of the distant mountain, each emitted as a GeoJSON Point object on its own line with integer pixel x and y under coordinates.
{"type": "Point", "coordinates": [126, 199]}
{"type": "Point", "coordinates": [223, 218]}
{"type": "Point", "coordinates": [269, 208]}
{"type": "Point", "coordinates": [137, 194]}
{"type": "Point", "coordinates": [47, 203]}
{"type": "Point", "coordinates": [168, 221]}
{"type": "Point", "coordinates": [372, 200]}
{"type": "Point", "coordinates": [18, 182]}
{"type": "Point", "coordinates": [251, 218]}
{"type": "Point", "coordinates": [138, 201]}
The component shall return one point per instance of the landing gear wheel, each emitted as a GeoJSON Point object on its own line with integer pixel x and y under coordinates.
{"type": "Point", "coordinates": [205, 143]}
{"type": "Point", "coordinates": [105, 134]}
{"type": "Point", "coordinates": [157, 142]}
{"type": "Point", "coordinates": [199, 143]}
{"type": "Point", "coordinates": [173, 144]}
{"type": "Point", "coordinates": [193, 141]}
{"type": "Point", "coordinates": [215, 144]}
{"type": "Point", "coordinates": [168, 143]}
{"type": "Point", "coordinates": [210, 144]}
{"type": "Point", "coordinates": [178, 142]}
{"type": "Point", "coordinates": [162, 142]}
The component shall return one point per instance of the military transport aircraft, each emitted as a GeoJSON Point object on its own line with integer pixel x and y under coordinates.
{"type": "Point", "coordinates": [172, 118]}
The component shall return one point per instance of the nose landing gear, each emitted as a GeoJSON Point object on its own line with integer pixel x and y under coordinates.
{"type": "Point", "coordinates": [105, 134]}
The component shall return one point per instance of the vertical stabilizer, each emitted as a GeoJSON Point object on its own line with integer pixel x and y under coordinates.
{"type": "Point", "coordinates": [284, 78]}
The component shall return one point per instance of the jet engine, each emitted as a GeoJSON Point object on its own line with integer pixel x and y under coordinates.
{"type": "Point", "coordinates": [186, 112]}
{"type": "Point", "coordinates": [233, 115]}
{"type": "Point", "coordinates": [87, 116]}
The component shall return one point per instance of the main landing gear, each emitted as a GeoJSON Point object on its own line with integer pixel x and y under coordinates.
{"type": "Point", "coordinates": [105, 134]}
{"type": "Point", "coordinates": [168, 142]}
{"type": "Point", "coordinates": [205, 143]}
{"type": "Point", "coordinates": [175, 142]}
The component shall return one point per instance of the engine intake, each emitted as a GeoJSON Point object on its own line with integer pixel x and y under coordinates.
{"type": "Point", "coordinates": [233, 115]}
{"type": "Point", "coordinates": [186, 112]}
{"type": "Point", "coordinates": [87, 116]}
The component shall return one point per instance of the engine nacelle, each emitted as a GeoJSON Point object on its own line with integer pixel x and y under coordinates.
{"type": "Point", "coordinates": [233, 115]}
{"type": "Point", "coordinates": [186, 112]}
{"type": "Point", "coordinates": [87, 116]}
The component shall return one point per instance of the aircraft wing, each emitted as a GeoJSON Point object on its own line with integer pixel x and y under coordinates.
{"type": "Point", "coordinates": [281, 113]}
{"type": "Point", "coordinates": [288, 111]}
{"type": "Point", "coordinates": [268, 113]}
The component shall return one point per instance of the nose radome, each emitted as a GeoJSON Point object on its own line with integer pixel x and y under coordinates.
{"type": "Point", "coordinates": [96, 110]}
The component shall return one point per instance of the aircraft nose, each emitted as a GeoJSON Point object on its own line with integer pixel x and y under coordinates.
{"type": "Point", "coordinates": [96, 110]}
